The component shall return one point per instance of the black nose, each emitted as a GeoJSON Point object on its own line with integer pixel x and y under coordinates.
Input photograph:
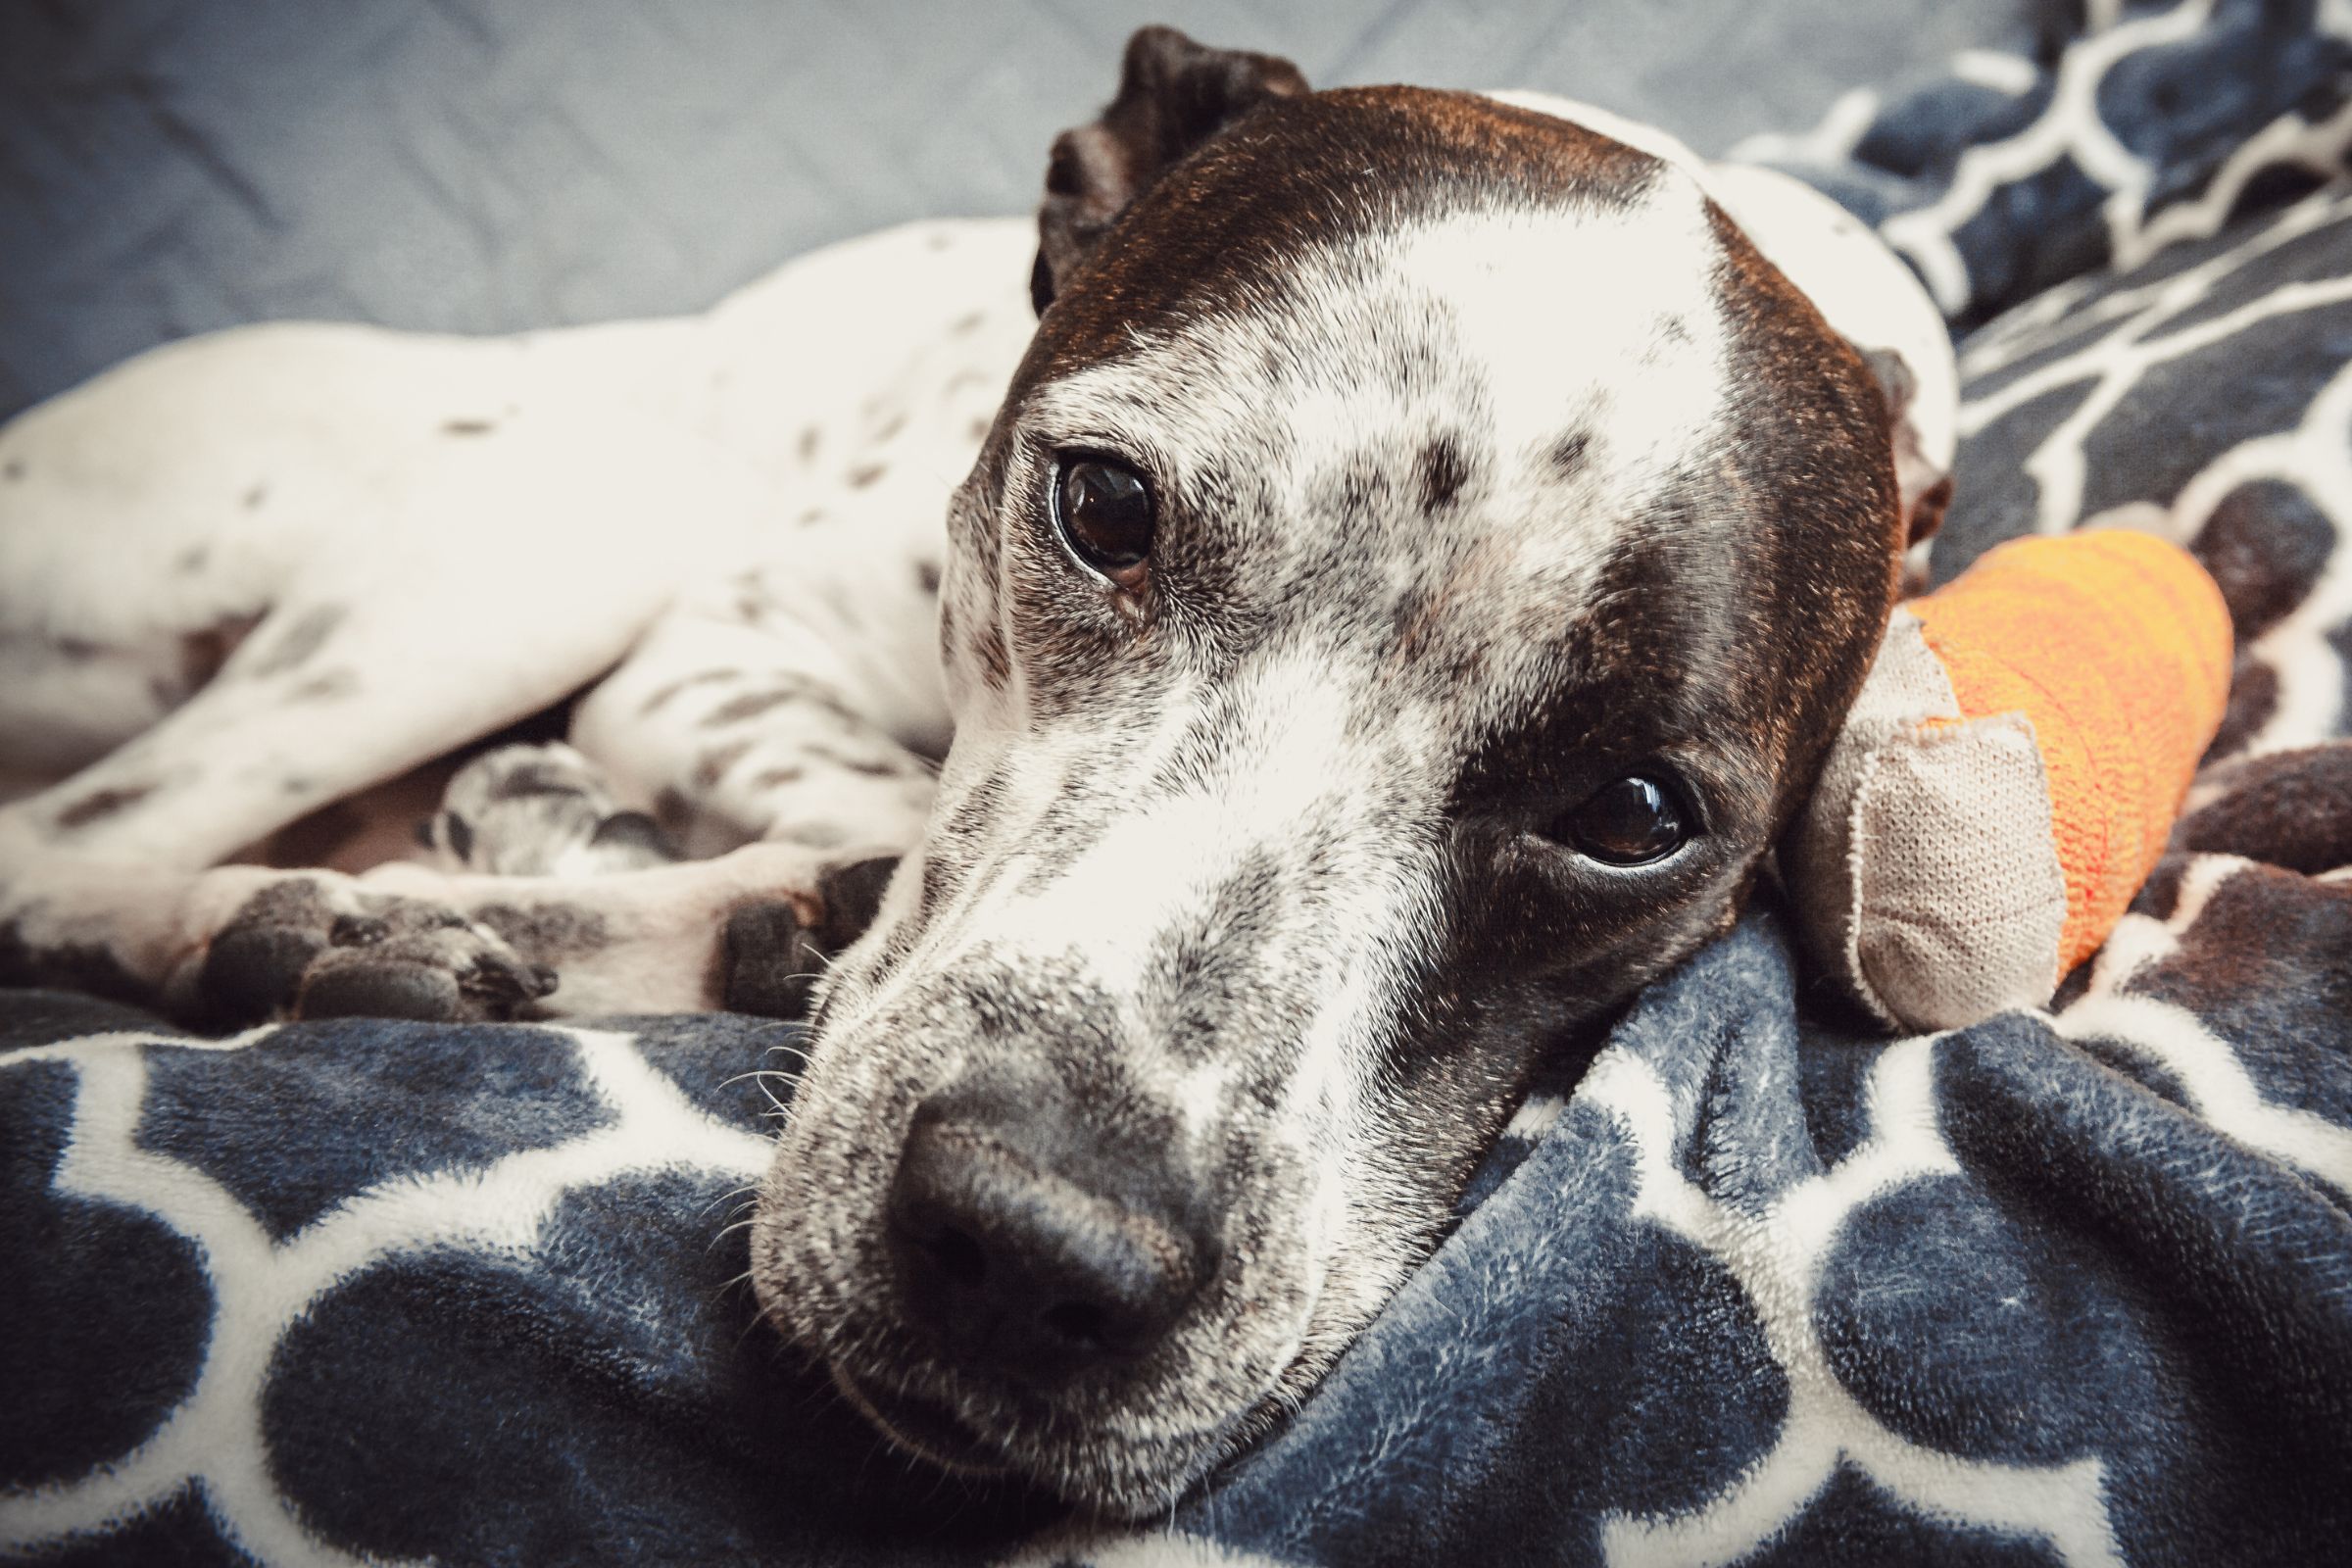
{"type": "Point", "coordinates": [1038, 1267]}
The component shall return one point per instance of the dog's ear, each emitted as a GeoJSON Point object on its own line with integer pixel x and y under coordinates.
{"type": "Point", "coordinates": [1173, 96]}
{"type": "Point", "coordinates": [1923, 478]}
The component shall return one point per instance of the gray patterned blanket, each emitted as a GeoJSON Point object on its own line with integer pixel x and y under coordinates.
{"type": "Point", "coordinates": [2074, 1286]}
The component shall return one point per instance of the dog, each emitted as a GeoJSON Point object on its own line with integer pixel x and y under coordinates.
{"type": "Point", "coordinates": [1393, 596]}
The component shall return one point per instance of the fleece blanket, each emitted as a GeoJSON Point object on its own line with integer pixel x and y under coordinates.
{"type": "Point", "coordinates": [2074, 1286]}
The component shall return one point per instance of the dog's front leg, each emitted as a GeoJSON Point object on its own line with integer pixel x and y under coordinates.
{"type": "Point", "coordinates": [798, 702]}
{"type": "Point", "coordinates": [748, 930]}
{"type": "Point", "coordinates": [109, 880]}
{"type": "Point", "coordinates": [239, 944]}
{"type": "Point", "coordinates": [780, 725]}
{"type": "Point", "coordinates": [475, 588]}
{"type": "Point", "coordinates": [795, 712]}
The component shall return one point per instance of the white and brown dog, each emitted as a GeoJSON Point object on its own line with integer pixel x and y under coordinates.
{"type": "Point", "coordinates": [1420, 558]}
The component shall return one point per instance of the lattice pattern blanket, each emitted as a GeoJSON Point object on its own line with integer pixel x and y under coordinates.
{"type": "Point", "coordinates": [2069, 1286]}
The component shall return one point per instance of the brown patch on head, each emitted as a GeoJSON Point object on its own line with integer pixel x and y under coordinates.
{"type": "Point", "coordinates": [1802, 489]}
{"type": "Point", "coordinates": [1173, 96]}
{"type": "Point", "coordinates": [1825, 535]}
{"type": "Point", "coordinates": [1810, 470]}
{"type": "Point", "coordinates": [1231, 217]}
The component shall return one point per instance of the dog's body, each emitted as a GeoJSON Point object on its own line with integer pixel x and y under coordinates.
{"type": "Point", "coordinates": [1395, 481]}
{"type": "Point", "coordinates": [386, 545]}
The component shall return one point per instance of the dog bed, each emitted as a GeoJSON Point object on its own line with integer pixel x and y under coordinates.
{"type": "Point", "coordinates": [1751, 1286]}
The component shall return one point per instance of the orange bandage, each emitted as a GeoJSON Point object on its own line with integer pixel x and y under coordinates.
{"type": "Point", "coordinates": [2010, 773]}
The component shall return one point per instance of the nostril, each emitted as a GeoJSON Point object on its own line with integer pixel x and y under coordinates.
{"type": "Point", "coordinates": [960, 1256]}
{"type": "Point", "coordinates": [1082, 1323]}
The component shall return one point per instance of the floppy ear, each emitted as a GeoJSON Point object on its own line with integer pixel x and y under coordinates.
{"type": "Point", "coordinates": [1922, 477]}
{"type": "Point", "coordinates": [1173, 96]}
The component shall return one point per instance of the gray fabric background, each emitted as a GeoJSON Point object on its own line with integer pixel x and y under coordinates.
{"type": "Point", "coordinates": [173, 165]}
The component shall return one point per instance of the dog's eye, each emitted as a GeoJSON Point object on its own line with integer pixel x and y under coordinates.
{"type": "Point", "coordinates": [1104, 510]}
{"type": "Point", "coordinates": [1630, 822]}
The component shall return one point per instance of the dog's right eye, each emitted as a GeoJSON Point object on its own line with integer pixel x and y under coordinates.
{"type": "Point", "coordinates": [1631, 821]}
{"type": "Point", "coordinates": [1104, 510]}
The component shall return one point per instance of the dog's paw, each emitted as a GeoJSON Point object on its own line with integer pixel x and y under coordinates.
{"type": "Point", "coordinates": [773, 956]}
{"type": "Point", "coordinates": [539, 811]}
{"type": "Point", "coordinates": [310, 947]}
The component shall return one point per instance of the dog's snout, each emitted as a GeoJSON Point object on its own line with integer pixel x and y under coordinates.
{"type": "Point", "coordinates": [1022, 1266]}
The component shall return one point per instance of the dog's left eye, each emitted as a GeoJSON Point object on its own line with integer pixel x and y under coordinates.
{"type": "Point", "coordinates": [1630, 822]}
{"type": "Point", "coordinates": [1104, 510]}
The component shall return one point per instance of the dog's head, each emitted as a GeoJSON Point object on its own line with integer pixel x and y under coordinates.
{"type": "Point", "coordinates": [1414, 575]}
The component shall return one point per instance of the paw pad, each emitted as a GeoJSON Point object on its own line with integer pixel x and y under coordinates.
{"type": "Point", "coordinates": [299, 949]}
{"type": "Point", "coordinates": [773, 957]}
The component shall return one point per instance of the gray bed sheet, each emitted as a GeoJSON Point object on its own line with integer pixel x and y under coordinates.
{"type": "Point", "coordinates": [167, 166]}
